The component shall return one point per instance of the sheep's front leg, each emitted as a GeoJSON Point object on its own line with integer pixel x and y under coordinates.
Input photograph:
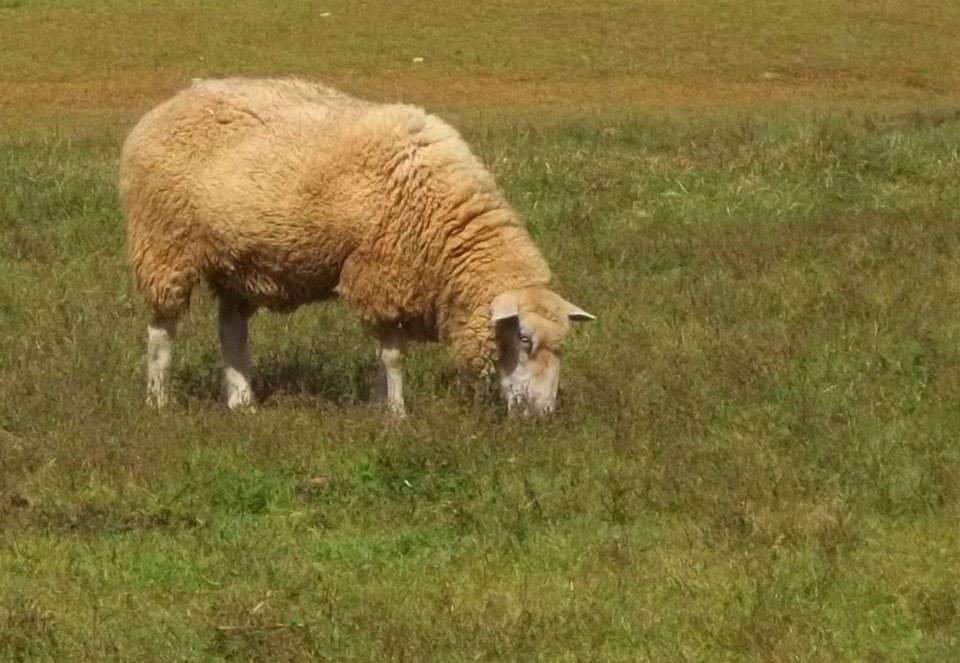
{"type": "Point", "coordinates": [234, 318]}
{"type": "Point", "coordinates": [160, 334]}
{"type": "Point", "coordinates": [391, 346]}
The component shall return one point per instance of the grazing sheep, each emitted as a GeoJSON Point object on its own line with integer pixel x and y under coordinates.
{"type": "Point", "coordinates": [278, 193]}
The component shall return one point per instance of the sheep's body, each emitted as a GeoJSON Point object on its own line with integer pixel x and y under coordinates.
{"type": "Point", "coordinates": [280, 193]}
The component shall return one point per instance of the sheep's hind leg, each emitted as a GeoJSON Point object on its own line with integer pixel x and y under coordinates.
{"type": "Point", "coordinates": [234, 318]}
{"type": "Point", "coordinates": [160, 335]}
{"type": "Point", "coordinates": [391, 345]}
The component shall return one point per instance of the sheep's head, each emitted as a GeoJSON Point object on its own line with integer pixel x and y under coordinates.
{"type": "Point", "coordinates": [530, 326]}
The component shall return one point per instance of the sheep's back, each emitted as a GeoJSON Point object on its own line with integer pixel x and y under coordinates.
{"type": "Point", "coordinates": [222, 165]}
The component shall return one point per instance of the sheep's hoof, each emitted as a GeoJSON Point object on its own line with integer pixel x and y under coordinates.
{"type": "Point", "coordinates": [241, 402]}
{"type": "Point", "coordinates": [243, 407]}
{"type": "Point", "coordinates": [156, 400]}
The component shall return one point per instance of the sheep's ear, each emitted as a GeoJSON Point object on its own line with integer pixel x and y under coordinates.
{"type": "Point", "coordinates": [503, 308]}
{"type": "Point", "coordinates": [577, 314]}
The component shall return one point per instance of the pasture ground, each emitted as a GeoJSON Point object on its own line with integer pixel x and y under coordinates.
{"type": "Point", "coordinates": [756, 456]}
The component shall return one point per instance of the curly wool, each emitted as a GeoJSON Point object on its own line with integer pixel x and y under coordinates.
{"type": "Point", "coordinates": [278, 193]}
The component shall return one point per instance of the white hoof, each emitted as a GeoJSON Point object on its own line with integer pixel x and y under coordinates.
{"type": "Point", "coordinates": [240, 401]}
{"type": "Point", "coordinates": [157, 400]}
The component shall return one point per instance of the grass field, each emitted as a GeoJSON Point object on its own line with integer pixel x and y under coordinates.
{"type": "Point", "coordinates": [756, 456]}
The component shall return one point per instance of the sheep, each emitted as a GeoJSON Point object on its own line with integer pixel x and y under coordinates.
{"type": "Point", "coordinates": [279, 193]}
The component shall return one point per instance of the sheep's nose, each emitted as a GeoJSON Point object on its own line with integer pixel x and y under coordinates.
{"type": "Point", "coordinates": [544, 410]}
{"type": "Point", "coordinates": [526, 407]}
{"type": "Point", "coordinates": [535, 409]}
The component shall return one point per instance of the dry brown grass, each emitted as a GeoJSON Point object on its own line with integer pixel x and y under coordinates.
{"type": "Point", "coordinates": [131, 92]}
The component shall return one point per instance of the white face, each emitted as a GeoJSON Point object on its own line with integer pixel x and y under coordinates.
{"type": "Point", "coordinates": [529, 373]}
{"type": "Point", "coordinates": [530, 324]}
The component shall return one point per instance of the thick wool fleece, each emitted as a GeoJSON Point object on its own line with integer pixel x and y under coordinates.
{"type": "Point", "coordinates": [280, 192]}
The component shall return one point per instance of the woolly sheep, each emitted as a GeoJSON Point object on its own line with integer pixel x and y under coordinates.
{"type": "Point", "coordinates": [278, 193]}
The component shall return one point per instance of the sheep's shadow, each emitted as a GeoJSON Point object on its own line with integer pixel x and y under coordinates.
{"type": "Point", "coordinates": [296, 374]}
{"type": "Point", "coordinates": [340, 379]}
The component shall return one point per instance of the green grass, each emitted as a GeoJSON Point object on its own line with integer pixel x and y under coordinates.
{"type": "Point", "coordinates": [755, 456]}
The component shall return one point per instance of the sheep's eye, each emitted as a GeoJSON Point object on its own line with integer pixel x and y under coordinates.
{"type": "Point", "coordinates": [526, 340]}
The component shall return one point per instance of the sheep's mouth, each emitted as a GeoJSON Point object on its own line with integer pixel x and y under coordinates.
{"type": "Point", "coordinates": [520, 403]}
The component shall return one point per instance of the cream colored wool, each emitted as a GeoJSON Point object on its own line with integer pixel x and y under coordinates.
{"type": "Point", "coordinates": [278, 193]}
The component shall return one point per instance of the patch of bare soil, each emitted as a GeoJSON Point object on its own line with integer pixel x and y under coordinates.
{"type": "Point", "coordinates": [134, 92]}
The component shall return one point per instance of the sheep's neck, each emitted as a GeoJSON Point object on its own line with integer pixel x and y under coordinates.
{"type": "Point", "coordinates": [491, 254]}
